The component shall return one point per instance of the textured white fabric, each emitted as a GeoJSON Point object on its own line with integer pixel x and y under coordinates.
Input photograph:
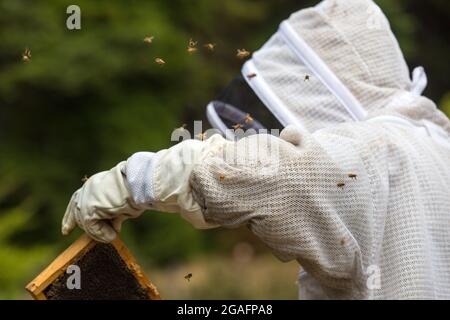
{"type": "Point", "coordinates": [139, 176]}
{"type": "Point", "coordinates": [101, 205]}
{"type": "Point", "coordinates": [161, 181]}
{"type": "Point", "coordinates": [364, 206]}
{"type": "Point", "coordinates": [392, 216]}
{"type": "Point", "coordinates": [285, 76]}
{"type": "Point", "coordinates": [354, 40]}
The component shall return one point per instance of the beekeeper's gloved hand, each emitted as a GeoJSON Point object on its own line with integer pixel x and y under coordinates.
{"type": "Point", "coordinates": [101, 205]}
{"type": "Point", "coordinates": [160, 181]}
{"type": "Point", "coordinates": [157, 181]}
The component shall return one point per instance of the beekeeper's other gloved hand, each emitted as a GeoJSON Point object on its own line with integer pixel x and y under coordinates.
{"type": "Point", "coordinates": [101, 205]}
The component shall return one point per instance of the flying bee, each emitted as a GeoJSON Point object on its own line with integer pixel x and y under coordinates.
{"type": "Point", "coordinates": [242, 53]}
{"type": "Point", "coordinates": [341, 185]}
{"type": "Point", "coordinates": [201, 136]}
{"type": "Point", "coordinates": [251, 75]}
{"type": "Point", "coordinates": [192, 43]}
{"type": "Point", "coordinates": [84, 179]}
{"type": "Point", "coordinates": [248, 118]}
{"type": "Point", "coordinates": [237, 126]}
{"type": "Point", "coordinates": [307, 76]}
{"type": "Point", "coordinates": [343, 241]}
{"type": "Point", "coordinates": [26, 55]}
{"type": "Point", "coordinates": [210, 46]}
{"type": "Point", "coordinates": [221, 177]}
{"type": "Point", "coordinates": [160, 61]}
{"type": "Point", "coordinates": [353, 176]}
{"type": "Point", "coordinates": [192, 46]}
{"type": "Point", "coordinates": [188, 277]}
{"type": "Point", "coordinates": [149, 39]}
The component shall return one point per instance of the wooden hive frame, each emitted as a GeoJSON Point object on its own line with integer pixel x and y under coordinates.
{"type": "Point", "coordinates": [37, 286]}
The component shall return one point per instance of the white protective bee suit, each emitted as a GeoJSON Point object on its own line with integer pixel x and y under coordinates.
{"type": "Point", "coordinates": [356, 188]}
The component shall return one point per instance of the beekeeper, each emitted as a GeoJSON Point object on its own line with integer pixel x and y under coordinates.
{"type": "Point", "coordinates": [356, 188]}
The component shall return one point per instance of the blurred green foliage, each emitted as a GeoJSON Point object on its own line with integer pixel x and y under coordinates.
{"type": "Point", "coordinates": [90, 98]}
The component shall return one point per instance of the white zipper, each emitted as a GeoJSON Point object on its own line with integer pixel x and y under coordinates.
{"type": "Point", "coordinates": [307, 55]}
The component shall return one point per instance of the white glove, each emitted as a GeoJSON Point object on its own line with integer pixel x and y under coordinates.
{"type": "Point", "coordinates": [101, 205]}
{"type": "Point", "coordinates": [161, 181]}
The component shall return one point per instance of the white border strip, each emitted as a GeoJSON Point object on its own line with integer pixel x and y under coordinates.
{"type": "Point", "coordinates": [419, 81]}
{"type": "Point", "coordinates": [214, 118]}
{"type": "Point", "coordinates": [321, 70]}
{"type": "Point", "coordinates": [269, 98]}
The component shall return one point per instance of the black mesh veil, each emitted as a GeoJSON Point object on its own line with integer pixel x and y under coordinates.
{"type": "Point", "coordinates": [237, 106]}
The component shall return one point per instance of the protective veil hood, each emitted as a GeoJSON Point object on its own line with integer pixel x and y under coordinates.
{"type": "Point", "coordinates": [338, 62]}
